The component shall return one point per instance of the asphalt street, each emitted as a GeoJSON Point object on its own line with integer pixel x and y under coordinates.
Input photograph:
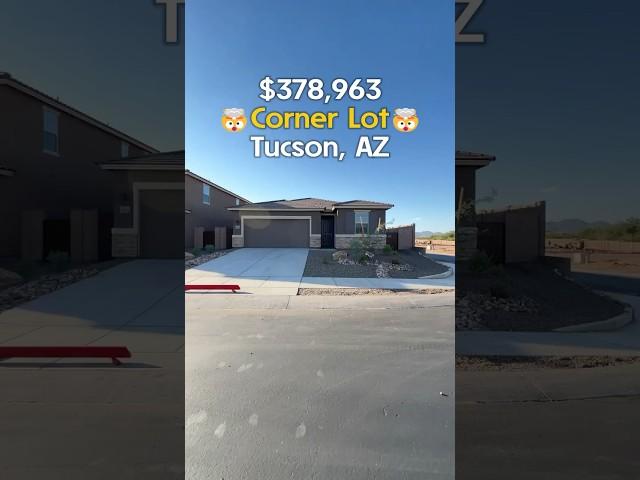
{"type": "Point", "coordinates": [556, 424]}
{"type": "Point", "coordinates": [298, 388]}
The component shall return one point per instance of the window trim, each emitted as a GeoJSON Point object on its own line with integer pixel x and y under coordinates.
{"type": "Point", "coordinates": [56, 113]}
{"type": "Point", "coordinates": [237, 202]}
{"type": "Point", "coordinates": [124, 146]}
{"type": "Point", "coordinates": [208, 195]}
{"type": "Point", "coordinates": [355, 221]}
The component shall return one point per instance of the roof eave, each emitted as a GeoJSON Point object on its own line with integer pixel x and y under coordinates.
{"type": "Point", "coordinates": [121, 166]}
{"type": "Point", "coordinates": [210, 183]}
{"type": "Point", "coordinates": [52, 102]}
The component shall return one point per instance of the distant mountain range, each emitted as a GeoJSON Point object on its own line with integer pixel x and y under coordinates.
{"type": "Point", "coordinates": [573, 225]}
{"type": "Point", "coordinates": [424, 234]}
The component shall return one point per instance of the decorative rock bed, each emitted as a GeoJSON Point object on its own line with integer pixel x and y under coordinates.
{"type": "Point", "coordinates": [191, 260]}
{"type": "Point", "coordinates": [33, 289]}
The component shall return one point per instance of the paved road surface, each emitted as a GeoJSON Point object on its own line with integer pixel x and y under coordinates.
{"type": "Point", "coordinates": [304, 387]}
{"type": "Point", "coordinates": [552, 424]}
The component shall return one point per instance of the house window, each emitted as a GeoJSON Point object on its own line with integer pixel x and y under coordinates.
{"type": "Point", "coordinates": [362, 222]}
{"type": "Point", "coordinates": [50, 131]}
{"type": "Point", "coordinates": [237, 202]}
{"type": "Point", "coordinates": [124, 149]}
{"type": "Point", "coordinates": [206, 194]}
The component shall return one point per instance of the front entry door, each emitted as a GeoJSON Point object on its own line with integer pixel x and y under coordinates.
{"type": "Point", "coordinates": [326, 232]}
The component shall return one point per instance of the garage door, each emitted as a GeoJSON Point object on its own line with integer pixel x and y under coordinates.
{"type": "Point", "coordinates": [276, 233]}
{"type": "Point", "coordinates": [162, 223]}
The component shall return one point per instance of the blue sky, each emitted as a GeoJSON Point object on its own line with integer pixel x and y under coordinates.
{"type": "Point", "coordinates": [554, 95]}
{"type": "Point", "coordinates": [230, 46]}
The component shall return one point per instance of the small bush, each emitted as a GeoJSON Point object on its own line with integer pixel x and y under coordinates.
{"type": "Point", "coordinates": [59, 261]}
{"type": "Point", "coordinates": [387, 250]}
{"type": "Point", "coordinates": [196, 252]}
{"type": "Point", "coordinates": [395, 261]}
{"type": "Point", "coordinates": [356, 249]}
{"type": "Point", "coordinates": [363, 259]}
{"type": "Point", "coordinates": [210, 248]}
{"type": "Point", "coordinates": [480, 262]}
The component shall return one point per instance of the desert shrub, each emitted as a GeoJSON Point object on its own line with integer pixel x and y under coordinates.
{"type": "Point", "coordinates": [356, 249]}
{"type": "Point", "coordinates": [480, 262]}
{"type": "Point", "coordinates": [59, 261]}
{"type": "Point", "coordinates": [363, 259]}
{"type": "Point", "coordinates": [196, 252]}
{"type": "Point", "coordinates": [387, 250]}
{"type": "Point", "coordinates": [210, 248]}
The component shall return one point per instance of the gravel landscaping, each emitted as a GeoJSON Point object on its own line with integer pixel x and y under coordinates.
{"type": "Point", "coordinates": [495, 363]}
{"type": "Point", "coordinates": [402, 264]}
{"type": "Point", "coordinates": [368, 291]}
{"type": "Point", "coordinates": [50, 282]}
{"type": "Point", "coordinates": [190, 260]}
{"type": "Point", "coordinates": [526, 298]}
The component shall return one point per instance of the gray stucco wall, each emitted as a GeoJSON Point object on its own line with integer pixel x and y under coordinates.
{"type": "Point", "coordinates": [345, 220]}
{"type": "Point", "coordinates": [51, 184]}
{"type": "Point", "coordinates": [208, 216]}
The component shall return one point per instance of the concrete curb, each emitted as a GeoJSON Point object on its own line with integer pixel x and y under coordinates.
{"type": "Point", "coordinates": [446, 274]}
{"type": "Point", "coordinates": [613, 323]}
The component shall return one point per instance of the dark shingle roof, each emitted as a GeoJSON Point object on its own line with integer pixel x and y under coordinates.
{"type": "Point", "coordinates": [363, 203]}
{"type": "Point", "coordinates": [161, 161]}
{"type": "Point", "coordinates": [309, 204]}
{"type": "Point", "coordinates": [463, 155]}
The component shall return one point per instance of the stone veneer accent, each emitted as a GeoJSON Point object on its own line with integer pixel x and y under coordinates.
{"type": "Point", "coordinates": [344, 241]}
{"type": "Point", "coordinates": [466, 242]}
{"type": "Point", "coordinates": [315, 240]}
{"type": "Point", "coordinates": [237, 241]}
{"type": "Point", "coordinates": [124, 244]}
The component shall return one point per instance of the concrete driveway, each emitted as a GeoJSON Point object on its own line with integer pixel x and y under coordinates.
{"type": "Point", "coordinates": [84, 418]}
{"type": "Point", "coordinates": [265, 271]}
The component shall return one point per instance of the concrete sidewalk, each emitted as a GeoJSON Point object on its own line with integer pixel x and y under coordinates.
{"type": "Point", "coordinates": [623, 342]}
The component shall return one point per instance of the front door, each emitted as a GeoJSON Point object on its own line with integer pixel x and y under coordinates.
{"type": "Point", "coordinates": [326, 232]}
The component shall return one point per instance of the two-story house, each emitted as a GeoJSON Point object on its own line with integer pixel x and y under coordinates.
{"type": "Point", "coordinates": [206, 207]}
{"type": "Point", "coordinates": [54, 194]}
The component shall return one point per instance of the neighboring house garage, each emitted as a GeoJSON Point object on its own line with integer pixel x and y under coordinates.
{"type": "Point", "coordinates": [149, 206]}
{"type": "Point", "coordinates": [161, 223]}
{"type": "Point", "coordinates": [277, 232]}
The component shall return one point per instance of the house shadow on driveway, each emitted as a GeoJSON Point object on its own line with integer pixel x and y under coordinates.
{"type": "Point", "coordinates": [138, 304]}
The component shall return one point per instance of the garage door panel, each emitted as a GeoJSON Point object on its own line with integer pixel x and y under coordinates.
{"type": "Point", "coordinates": [265, 232]}
{"type": "Point", "coordinates": [161, 223]}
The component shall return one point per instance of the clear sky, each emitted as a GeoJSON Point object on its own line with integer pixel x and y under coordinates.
{"type": "Point", "coordinates": [231, 46]}
{"type": "Point", "coordinates": [554, 95]}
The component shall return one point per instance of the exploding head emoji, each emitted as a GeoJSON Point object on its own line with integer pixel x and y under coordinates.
{"type": "Point", "coordinates": [405, 119]}
{"type": "Point", "coordinates": [233, 119]}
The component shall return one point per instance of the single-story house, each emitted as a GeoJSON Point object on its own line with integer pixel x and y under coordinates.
{"type": "Point", "coordinates": [309, 222]}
